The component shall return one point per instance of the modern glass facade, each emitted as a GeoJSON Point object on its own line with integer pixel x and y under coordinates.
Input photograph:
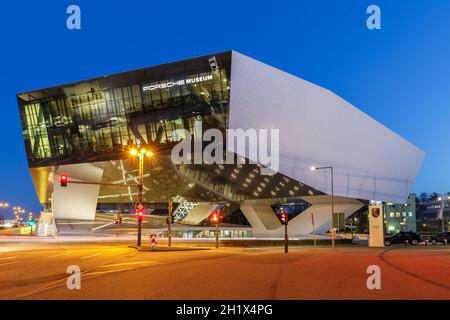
{"type": "Point", "coordinates": [95, 120]}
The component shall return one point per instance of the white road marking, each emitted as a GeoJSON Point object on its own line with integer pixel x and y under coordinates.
{"type": "Point", "coordinates": [102, 226]}
{"type": "Point", "coordinates": [92, 255]}
{"type": "Point", "coordinates": [108, 271]}
{"type": "Point", "coordinates": [60, 254]}
{"type": "Point", "coordinates": [127, 263]}
{"type": "Point", "coordinates": [45, 287]}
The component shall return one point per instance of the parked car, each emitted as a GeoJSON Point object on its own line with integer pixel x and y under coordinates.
{"type": "Point", "coordinates": [402, 237]}
{"type": "Point", "coordinates": [440, 238]}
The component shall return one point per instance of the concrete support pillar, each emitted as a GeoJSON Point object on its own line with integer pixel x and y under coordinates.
{"type": "Point", "coordinates": [321, 208]}
{"type": "Point", "coordinates": [199, 213]}
{"type": "Point", "coordinates": [262, 218]}
{"type": "Point", "coordinates": [265, 222]}
{"type": "Point", "coordinates": [76, 201]}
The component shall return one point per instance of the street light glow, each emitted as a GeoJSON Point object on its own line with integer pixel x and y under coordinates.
{"type": "Point", "coordinates": [313, 168]}
{"type": "Point", "coordinates": [149, 154]}
{"type": "Point", "coordinates": [133, 152]}
{"type": "Point", "coordinates": [143, 150]}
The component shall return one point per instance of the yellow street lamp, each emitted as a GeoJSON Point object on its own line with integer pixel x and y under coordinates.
{"type": "Point", "coordinates": [140, 152]}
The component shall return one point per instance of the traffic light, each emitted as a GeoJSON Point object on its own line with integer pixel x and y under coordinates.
{"type": "Point", "coordinates": [63, 179]}
{"type": "Point", "coordinates": [283, 217]}
{"type": "Point", "coordinates": [215, 217]}
{"type": "Point", "coordinates": [140, 214]}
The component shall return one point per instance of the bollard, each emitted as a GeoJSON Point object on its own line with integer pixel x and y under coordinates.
{"type": "Point", "coordinates": [406, 242]}
{"type": "Point", "coordinates": [426, 242]}
{"type": "Point", "coordinates": [445, 241]}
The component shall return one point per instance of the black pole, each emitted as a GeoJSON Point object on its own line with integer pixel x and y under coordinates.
{"type": "Point", "coordinates": [217, 235]}
{"type": "Point", "coordinates": [139, 232]}
{"type": "Point", "coordinates": [140, 204]}
{"type": "Point", "coordinates": [139, 216]}
{"type": "Point", "coordinates": [169, 222]}
{"type": "Point", "coordinates": [286, 238]}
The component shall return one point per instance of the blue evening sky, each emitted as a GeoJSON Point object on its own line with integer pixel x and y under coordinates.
{"type": "Point", "coordinates": [399, 75]}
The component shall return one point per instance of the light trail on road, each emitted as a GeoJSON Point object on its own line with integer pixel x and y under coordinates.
{"type": "Point", "coordinates": [115, 271]}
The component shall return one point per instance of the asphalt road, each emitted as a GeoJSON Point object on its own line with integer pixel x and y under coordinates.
{"type": "Point", "coordinates": [115, 271]}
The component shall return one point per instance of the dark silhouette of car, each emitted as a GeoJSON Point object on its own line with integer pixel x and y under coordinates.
{"type": "Point", "coordinates": [402, 237]}
{"type": "Point", "coordinates": [440, 238]}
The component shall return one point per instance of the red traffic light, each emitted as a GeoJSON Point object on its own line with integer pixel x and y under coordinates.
{"type": "Point", "coordinates": [215, 217]}
{"type": "Point", "coordinates": [283, 217]}
{"type": "Point", "coordinates": [140, 214]}
{"type": "Point", "coordinates": [63, 179]}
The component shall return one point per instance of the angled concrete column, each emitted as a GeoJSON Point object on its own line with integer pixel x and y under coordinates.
{"type": "Point", "coordinates": [262, 218]}
{"type": "Point", "coordinates": [265, 223]}
{"type": "Point", "coordinates": [321, 208]}
{"type": "Point", "coordinates": [199, 213]}
{"type": "Point", "coordinates": [76, 201]}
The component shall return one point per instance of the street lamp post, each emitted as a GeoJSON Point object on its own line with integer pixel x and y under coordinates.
{"type": "Point", "coordinates": [332, 195]}
{"type": "Point", "coordinates": [141, 153]}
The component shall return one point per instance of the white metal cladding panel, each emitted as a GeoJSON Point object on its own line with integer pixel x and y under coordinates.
{"type": "Point", "coordinates": [318, 128]}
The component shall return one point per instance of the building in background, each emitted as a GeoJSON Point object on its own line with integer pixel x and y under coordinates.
{"type": "Point", "coordinates": [433, 213]}
{"type": "Point", "coordinates": [400, 217]}
{"type": "Point", "coordinates": [85, 129]}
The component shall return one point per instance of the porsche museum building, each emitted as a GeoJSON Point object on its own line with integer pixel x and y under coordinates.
{"type": "Point", "coordinates": [85, 129]}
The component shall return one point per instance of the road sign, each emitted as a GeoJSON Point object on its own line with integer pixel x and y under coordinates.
{"type": "Point", "coordinates": [153, 240]}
